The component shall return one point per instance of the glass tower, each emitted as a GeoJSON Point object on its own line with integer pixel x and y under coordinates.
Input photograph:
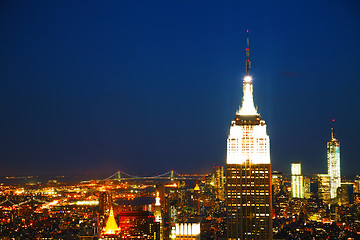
{"type": "Point", "coordinates": [297, 182]}
{"type": "Point", "coordinates": [333, 159]}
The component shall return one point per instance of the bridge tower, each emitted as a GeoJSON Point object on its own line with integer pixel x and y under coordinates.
{"type": "Point", "coordinates": [172, 175]}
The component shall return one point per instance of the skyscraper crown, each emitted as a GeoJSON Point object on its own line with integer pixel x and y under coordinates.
{"type": "Point", "coordinates": [247, 107]}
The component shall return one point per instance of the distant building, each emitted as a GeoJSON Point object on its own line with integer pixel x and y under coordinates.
{"type": "Point", "coordinates": [277, 181]}
{"type": "Point", "coordinates": [173, 214]}
{"type": "Point", "coordinates": [297, 184]}
{"type": "Point", "coordinates": [138, 225]}
{"type": "Point", "coordinates": [160, 188]}
{"type": "Point", "coordinates": [307, 191]}
{"type": "Point", "coordinates": [333, 159]}
{"type": "Point", "coordinates": [324, 187]}
{"type": "Point", "coordinates": [188, 231]}
{"type": "Point", "coordinates": [219, 183]}
{"type": "Point", "coordinates": [357, 190]}
{"type": "Point", "coordinates": [357, 184]}
{"type": "Point", "coordinates": [248, 171]}
{"type": "Point", "coordinates": [281, 203]}
{"type": "Point", "coordinates": [343, 194]}
{"type": "Point", "coordinates": [158, 215]}
{"type": "Point", "coordinates": [105, 202]}
{"type": "Point", "coordinates": [111, 231]}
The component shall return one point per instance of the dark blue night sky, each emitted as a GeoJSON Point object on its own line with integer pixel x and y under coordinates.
{"type": "Point", "coordinates": [150, 86]}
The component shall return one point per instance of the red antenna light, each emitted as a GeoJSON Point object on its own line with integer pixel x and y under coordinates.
{"type": "Point", "coordinates": [333, 120]}
{"type": "Point", "coordinates": [247, 30]}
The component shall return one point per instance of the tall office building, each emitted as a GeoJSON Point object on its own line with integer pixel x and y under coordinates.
{"type": "Point", "coordinates": [105, 202]}
{"type": "Point", "coordinates": [219, 183]}
{"type": "Point", "coordinates": [297, 182]}
{"type": "Point", "coordinates": [357, 190]}
{"type": "Point", "coordinates": [157, 214]}
{"type": "Point", "coordinates": [277, 182]}
{"type": "Point", "coordinates": [307, 191]}
{"type": "Point", "coordinates": [248, 171]}
{"type": "Point", "coordinates": [333, 159]}
{"type": "Point", "coordinates": [357, 184]}
{"type": "Point", "coordinates": [324, 187]}
{"type": "Point", "coordinates": [343, 194]}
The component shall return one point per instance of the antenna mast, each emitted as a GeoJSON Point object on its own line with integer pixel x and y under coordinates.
{"type": "Point", "coordinates": [332, 129]}
{"type": "Point", "coordinates": [247, 54]}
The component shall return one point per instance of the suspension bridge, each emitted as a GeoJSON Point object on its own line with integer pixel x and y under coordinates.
{"type": "Point", "coordinates": [122, 176]}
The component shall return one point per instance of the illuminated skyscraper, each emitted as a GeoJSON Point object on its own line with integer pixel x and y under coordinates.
{"type": "Point", "coordinates": [343, 194]}
{"type": "Point", "coordinates": [357, 190]}
{"type": "Point", "coordinates": [138, 225]}
{"type": "Point", "coordinates": [111, 229]}
{"type": "Point", "coordinates": [297, 183]}
{"type": "Point", "coordinates": [277, 182]}
{"type": "Point", "coordinates": [188, 231]}
{"type": "Point", "coordinates": [324, 187]}
{"type": "Point", "coordinates": [357, 184]}
{"type": "Point", "coordinates": [333, 159]}
{"type": "Point", "coordinates": [105, 202]}
{"type": "Point", "coordinates": [307, 192]}
{"type": "Point", "coordinates": [248, 171]}
{"type": "Point", "coordinates": [219, 183]}
{"type": "Point", "coordinates": [158, 215]}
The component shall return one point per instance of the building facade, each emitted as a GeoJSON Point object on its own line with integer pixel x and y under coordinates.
{"type": "Point", "coordinates": [188, 231]}
{"type": "Point", "coordinates": [357, 189]}
{"type": "Point", "coordinates": [307, 191]}
{"type": "Point", "coordinates": [277, 182]}
{"type": "Point", "coordinates": [297, 182]}
{"type": "Point", "coordinates": [138, 225]}
{"type": "Point", "coordinates": [105, 202]}
{"type": "Point", "coordinates": [158, 214]}
{"type": "Point", "coordinates": [333, 159]}
{"type": "Point", "coordinates": [248, 171]}
{"type": "Point", "coordinates": [219, 183]}
{"type": "Point", "coordinates": [324, 187]}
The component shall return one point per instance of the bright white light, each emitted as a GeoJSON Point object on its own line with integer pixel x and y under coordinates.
{"type": "Point", "coordinates": [296, 169]}
{"type": "Point", "coordinates": [333, 157]}
{"type": "Point", "coordinates": [248, 142]}
{"type": "Point", "coordinates": [247, 107]}
{"type": "Point", "coordinates": [248, 79]}
{"type": "Point", "coordinates": [92, 202]}
{"type": "Point", "coordinates": [187, 229]}
{"type": "Point", "coordinates": [157, 199]}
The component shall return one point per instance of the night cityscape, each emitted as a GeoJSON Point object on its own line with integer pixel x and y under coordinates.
{"type": "Point", "coordinates": [179, 120]}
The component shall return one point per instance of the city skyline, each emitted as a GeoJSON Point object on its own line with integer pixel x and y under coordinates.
{"type": "Point", "coordinates": [90, 88]}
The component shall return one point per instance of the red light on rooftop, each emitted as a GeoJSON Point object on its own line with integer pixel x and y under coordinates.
{"type": "Point", "coordinates": [333, 120]}
{"type": "Point", "coordinates": [247, 30]}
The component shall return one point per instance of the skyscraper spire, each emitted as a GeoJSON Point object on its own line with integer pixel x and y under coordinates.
{"type": "Point", "coordinates": [247, 108]}
{"type": "Point", "coordinates": [332, 130]}
{"type": "Point", "coordinates": [111, 227]}
{"type": "Point", "coordinates": [247, 54]}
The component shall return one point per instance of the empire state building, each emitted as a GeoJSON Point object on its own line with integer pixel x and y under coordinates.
{"type": "Point", "coordinates": [248, 171]}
